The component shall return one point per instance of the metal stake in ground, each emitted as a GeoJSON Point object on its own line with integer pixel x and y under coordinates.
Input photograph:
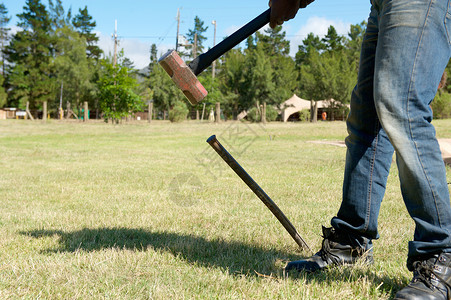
{"type": "Point", "coordinates": [228, 158]}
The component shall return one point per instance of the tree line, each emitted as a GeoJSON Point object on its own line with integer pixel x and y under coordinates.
{"type": "Point", "coordinates": [263, 72]}
{"type": "Point", "coordinates": [54, 57]}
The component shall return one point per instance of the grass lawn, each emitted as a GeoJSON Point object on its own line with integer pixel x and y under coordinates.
{"type": "Point", "coordinates": [140, 211]}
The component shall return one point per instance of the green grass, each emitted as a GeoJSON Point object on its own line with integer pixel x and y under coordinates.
{"type": "Point", "coordinates": [142, 211]}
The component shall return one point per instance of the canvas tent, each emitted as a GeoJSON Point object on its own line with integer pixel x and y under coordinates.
{"type": "Point", "coordinates": [296, 104]}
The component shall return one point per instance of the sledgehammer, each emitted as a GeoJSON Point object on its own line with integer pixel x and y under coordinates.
{"type": "Point", "coordinates": [184, 76]}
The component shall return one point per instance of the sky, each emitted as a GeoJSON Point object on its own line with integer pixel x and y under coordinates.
{"type": "Point", "coordinates": [142, 23]}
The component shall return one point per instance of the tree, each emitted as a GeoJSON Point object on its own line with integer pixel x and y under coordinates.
{"type": "Point", "coordinates": [3, 94]}
{"type": "Point", "coordinates": [274, 42]}
{"type": "Point", "coordinates": [214, 92]}
{"type": "Point", "coordinates": [328, 67]}
{"type": "Point", "coordinates": [332, 40]}
{"type": "Point", "coordinates": [165, 92]}
{"type": "Point", "coordinates": [327, 76]}
{"type": "Point", "coordinates": [196, 37]}
{"type": "Point", "coordinates": [285, 79]}
{"type": "Point", "coordinates": [128, 63]}
{"type": "Point", "coordinates": [231, 80]}
{"type": "Point", "coordinates": [29, 53]}
{"type": "Point", "coordinates": [153, 57]}
{"type": "Point", "coordinates": [258, 78]}
{"type": "Point", "coordinates": [85, 25]}
{"type": "Point", "coordinates": [441, 106]}
{"type": "Point", "coordinates": [273, 49]}
{"type": "Point", "coordinates": [57, 15]}
{"type": "Point", "coordinates": [311, 43]}
{"type": "Point", "coordinates": [354, 41]}
{"type": "Point", "coordinates": [116, 91]}
{"type": "Point", "coordinates": [4, 20]}
{"type": "Point", "coordinates": [71, 66]}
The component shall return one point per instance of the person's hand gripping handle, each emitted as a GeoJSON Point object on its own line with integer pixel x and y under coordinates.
{"type": "Point", "coordinates": [284, 10]}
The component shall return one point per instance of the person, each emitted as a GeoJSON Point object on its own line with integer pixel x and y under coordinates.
{"type": "Point", "coordinates": [404, 52]}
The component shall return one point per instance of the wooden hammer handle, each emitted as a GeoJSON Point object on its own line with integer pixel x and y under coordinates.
{"type": "Point", "coordinates": [202, 62]}
{"type": "Point", "coordinates": [228, 158]}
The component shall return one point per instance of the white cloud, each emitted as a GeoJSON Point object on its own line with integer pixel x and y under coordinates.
{"type": "Point", "coordinates": [14, 29]}
{"type": "Point", "coordinates": [105, 43]}
{"type": "Point", "coordinates": [317, 26]}
{"type": "Point", "coordinates": [136, 50]}
{"type": "Point", "coordinates": [163, 48]}
{"type": "Point", "coordinates": [231, 29]}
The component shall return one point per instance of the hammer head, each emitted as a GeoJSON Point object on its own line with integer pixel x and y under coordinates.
{"type": "Point", "coordinates": [183, 77]}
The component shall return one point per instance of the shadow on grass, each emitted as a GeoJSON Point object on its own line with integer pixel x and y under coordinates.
{"type": "Point", "coordinates": [232, 257]}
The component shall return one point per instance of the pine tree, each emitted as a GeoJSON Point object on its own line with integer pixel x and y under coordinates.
{"type": "Point", "coordinates": [195, 36]}
{"type": "Point", "coordinates": [311, 43]}
{"type": "Point", "coordinates": [258, 85]}
{"type": "Point", "coordinates": [231, 78]}
{"type": "Point", "coordinates": [276, 50]}
{"type": "Point", "coordinates": [85, 25]}
{"type": "Point", "coordinates": [353, 44]}
{"type": "Point", "coordinates": [327, 70]}
{"type": "Point", "coordinates": [29, 53]}
{"type": "Point", "coordinates": [72, 67]}
{"type": "Point", "coordinates": [4, 20]}
{"type": "Point", "coordinates": [153, 57]}
{"type": "Point", "coordinates": [57, 15]}
{"type": "Point", "coordinates": [274, 42]}
{"type": "Point", "coordinates": [332, 40]}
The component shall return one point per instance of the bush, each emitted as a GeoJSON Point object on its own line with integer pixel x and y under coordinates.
{"type": "Point", "coordinates": [304, 115]}
{"type": "Point", "coordinates": [179, 112]}
{"type": "Point", "coordinates": [254, 116]}
{"type": "Point", "coordinates": [271, 113]}
{"type": "Point", "coordinates": [441, 106]}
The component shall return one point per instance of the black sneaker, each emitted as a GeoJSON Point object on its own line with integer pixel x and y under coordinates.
{"type": "Point", "coordinates": [335, 251]}
{"type": "Point", "coordinates": [431, 279]}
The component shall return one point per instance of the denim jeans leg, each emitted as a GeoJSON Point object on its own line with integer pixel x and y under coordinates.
{"type": "Point", "coordinates": [369, 152]}
{"type": "Point", "coordinates": [412, 52]}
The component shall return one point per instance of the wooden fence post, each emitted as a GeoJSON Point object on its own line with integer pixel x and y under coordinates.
{"type": "Point", "coordinates": [203, 112]}
{"type": "Point", "coordinates": [218, 112]}
{"type": "Point", "coordinates": [44, 111]}
{"type": "Point", "coordinates": [149, 113]}
{"type": "Point", "coordinates": [86, 112]}
{"type": "Point", "coordinates": [68, 110]}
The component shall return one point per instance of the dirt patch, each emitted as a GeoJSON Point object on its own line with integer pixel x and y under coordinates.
{"type": "Point", "coordinates": [445, 147]}
{"type": "Point", "coordinates": [333, 143]}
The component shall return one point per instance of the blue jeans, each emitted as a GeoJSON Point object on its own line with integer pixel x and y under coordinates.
{"type": "Point", "coordinates": [405, 50]}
